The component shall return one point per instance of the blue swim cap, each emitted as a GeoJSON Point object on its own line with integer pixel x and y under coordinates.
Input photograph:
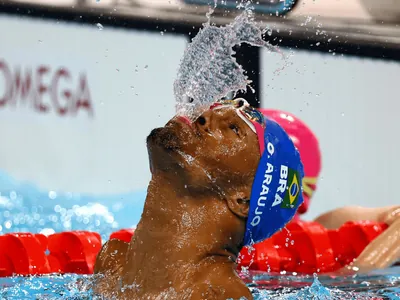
{"type": "Point", "coordinates": [277, 188]}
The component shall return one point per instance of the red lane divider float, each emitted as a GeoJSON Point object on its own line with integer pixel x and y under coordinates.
{"type": "Point", "coordinates": [353, 237]}
{"type": "Point", "coordinates": [263, 256]}
{"type": "Point", "coordinates": [311, 242]}
{"type": "Point", "coordinates": [302, 247]}
{"type": "Point", "coordinates": [308, 247]}
{"type": "Point", "coordinates": [74, 251]}
{"type": "Point", "coordinates": [66, 252]}
{"type": "Point", "coordinates": [35, 254]}
{"type": "Point", "coordinates": [23, 254]}
{"type": "Point", "coordinates": [123, 235]}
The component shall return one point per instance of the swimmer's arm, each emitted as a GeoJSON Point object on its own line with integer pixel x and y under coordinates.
{"type": "Point", "coordinates": [383, 251]}
{"type": "Point", "coordinates": [337, 217]}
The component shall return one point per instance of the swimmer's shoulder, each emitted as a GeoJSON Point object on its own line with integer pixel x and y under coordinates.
{"type": "Point", "coordinates": [108, 268]}
{"type": "Point", "coordinates": [111, 256]}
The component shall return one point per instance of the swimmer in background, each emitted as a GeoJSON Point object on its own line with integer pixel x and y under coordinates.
{"type": "Point", "coordinates": [198, 215]}
{"type": "Point", "coordinates": [382, 251]}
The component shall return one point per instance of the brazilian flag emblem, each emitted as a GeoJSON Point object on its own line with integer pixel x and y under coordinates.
{"type": "Point", "coordinates": [293, 190]}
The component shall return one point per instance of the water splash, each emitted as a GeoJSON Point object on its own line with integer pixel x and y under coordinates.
{"type": "Point", "coordinates": [208, 70]}
{"type": "Point", "coordinates": [46, 287]}
{"type": "Point", "coordinates": [266, 286]}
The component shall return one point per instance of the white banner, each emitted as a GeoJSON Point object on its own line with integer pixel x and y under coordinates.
{"type": "Point", "coordinates": [77, 102]}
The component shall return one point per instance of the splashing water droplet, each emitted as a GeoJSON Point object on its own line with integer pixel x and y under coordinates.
{"type": "Point", "coordinates": [208, 72]}
{"type": "Point", "coordinates": [99, 26]}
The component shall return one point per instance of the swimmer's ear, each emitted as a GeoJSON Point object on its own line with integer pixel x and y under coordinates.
{"type": "Point", "coordinates": [239, 206]}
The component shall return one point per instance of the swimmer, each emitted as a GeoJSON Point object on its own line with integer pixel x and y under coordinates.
{"type": "Point", "coordinates": [382, 252]}
{"type": "Point", "coordinates": [227, 180]}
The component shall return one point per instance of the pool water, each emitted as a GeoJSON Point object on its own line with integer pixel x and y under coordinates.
{"type": "Point", "coordinates": [382, 284]}
{"type": "Point", "coordinates": [378, 285]}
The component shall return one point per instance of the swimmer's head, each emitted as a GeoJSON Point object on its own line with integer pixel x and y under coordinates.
{"type": "Point", "coordinates": [233, 152]}
{"type": "Point", "coordinates": [307, 143]}
{"type": "Point", "coordinates": [217, 153]}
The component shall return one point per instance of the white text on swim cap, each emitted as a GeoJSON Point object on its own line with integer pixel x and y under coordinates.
{"type": "Point", "coordinates": [265, 187]}
{"type": "Point", "coordinates": [282, 185]}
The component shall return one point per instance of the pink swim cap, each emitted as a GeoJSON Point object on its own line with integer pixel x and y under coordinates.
{"type": "Point", "coordinates": [307, 144]}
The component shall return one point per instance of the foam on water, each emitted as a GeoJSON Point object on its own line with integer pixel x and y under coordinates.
{"type": "Point", "coordinates": [380, 284]}
{"type": "Point", "coordinates": [208, 71]}
{"type": "Point", "coordinates": [46, 287]}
